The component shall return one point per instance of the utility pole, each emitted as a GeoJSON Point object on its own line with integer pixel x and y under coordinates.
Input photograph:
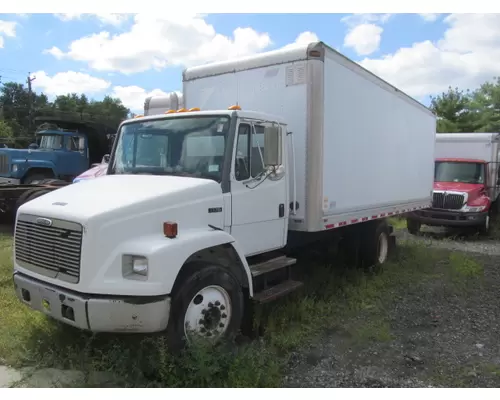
{"type": "Point", "coordinates": [30, 100]}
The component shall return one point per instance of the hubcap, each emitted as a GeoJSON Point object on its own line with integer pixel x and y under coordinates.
{"type": "Point", "coordinates": [208, 314]}
{"type": "Point", "coordinates": [383, 248]}
{"type": "Point", "coordinates": [487, 222]}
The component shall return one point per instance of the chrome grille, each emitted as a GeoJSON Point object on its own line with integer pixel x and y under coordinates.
{"type": "Point", "coordinates": [53, 251]}
{"type": "Point", "coordinates": [448, 201]}
{"type": "Point", "coordinates": [4, 164]}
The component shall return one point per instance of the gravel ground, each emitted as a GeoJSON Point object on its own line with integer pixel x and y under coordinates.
{"type": "Point", "coordinates": [441, 337]}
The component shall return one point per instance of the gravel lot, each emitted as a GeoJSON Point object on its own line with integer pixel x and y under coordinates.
{"type": "Point", "coordinates": [440, 336]}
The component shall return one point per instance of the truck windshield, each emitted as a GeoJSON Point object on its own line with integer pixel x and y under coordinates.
{"type": "Point", "coordinates": [51, 142]}
{"type": "Point", "coordinates": [185, 146]}
{"type": "Point", "coordinates": [463, 172]}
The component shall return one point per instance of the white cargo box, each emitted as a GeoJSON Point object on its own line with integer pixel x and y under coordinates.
{"type": "Point", "coordinates": [363, 148]}
{"type": "Point", "coordinates": [471, 146]}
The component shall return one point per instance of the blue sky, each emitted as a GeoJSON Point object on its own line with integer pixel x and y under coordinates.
{"type": "Point", "coordinates": [412, 50]}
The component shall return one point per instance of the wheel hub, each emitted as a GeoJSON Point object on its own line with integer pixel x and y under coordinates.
{"type": "Point", "coordinates": [208, 314]}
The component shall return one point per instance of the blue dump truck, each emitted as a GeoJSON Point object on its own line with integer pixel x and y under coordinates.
{"type": "Point", "coordinates": [59, 153]}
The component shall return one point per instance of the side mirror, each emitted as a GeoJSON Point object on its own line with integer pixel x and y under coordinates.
{"type": "Point", "coordinates": [272, 146]}
{"type": "Point", "coordinates": [105, 159]}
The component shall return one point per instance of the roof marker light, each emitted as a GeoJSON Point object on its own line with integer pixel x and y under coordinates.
{"type": "Point", "coordinates": [235, 107]}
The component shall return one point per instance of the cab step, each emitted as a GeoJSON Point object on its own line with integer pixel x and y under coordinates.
{"type": "Point", "coordinates": [277, 291]}
{"type": "Point", "coordinates": [271, 265]}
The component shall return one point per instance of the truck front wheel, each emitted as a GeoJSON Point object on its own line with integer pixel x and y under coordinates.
{"type": "Point", "coordinates": [484, 229]}
{"type": "Point", "coordinates": [207, 304]}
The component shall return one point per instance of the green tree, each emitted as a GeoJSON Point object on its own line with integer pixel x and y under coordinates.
{"type": "Point", "coordinates": [453, 111]}
{"type": "Point", "coordinates": [486, 105]}
{"type": "Point", "coordinates": [6, 131]}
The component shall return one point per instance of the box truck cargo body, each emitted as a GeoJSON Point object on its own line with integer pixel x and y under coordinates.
{"type": "Point", "coordinates": [199, 209]}
{"type": "Point", "coordinates": [466, 187]}
{"type": "Point", "coordinates": [362, 147]}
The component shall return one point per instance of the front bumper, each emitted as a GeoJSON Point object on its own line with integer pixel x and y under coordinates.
{"type": "Point", "coordinates": [9, 181]}
{"type": "Point", "coordinates": [433, 217]}
{"type": "Point", "coordinates": [93, 312]}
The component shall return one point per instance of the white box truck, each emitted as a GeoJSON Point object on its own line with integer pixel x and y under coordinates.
{"type": "Point", "coordinates": [466, 183]}
{"type": "Point", "coordinates": [195, 220]}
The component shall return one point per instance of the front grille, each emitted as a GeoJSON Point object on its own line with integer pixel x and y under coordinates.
{"type": "Point", "coordinates": [4, 164]}
{"type": "Point", "coordinates": [53, 251]}
{"type": "Point", "coordinates": [448, 201]}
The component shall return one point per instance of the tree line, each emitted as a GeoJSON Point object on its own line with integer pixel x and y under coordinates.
{"type": "Point", "coordinates": [470, 110]}
{"type": "Point", "coordinates": [20, 109]}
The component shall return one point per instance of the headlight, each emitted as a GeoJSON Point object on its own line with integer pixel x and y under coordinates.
{"type": "Point", "coordinates": [474, 209]}
{"type": "Point", "coordinates": [14, 167]}
{"type": "Point", "coordinates": [140, 265]}
{"type": "Point", "coordinates": [133, 265]}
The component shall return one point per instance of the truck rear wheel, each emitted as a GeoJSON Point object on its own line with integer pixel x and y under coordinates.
{"type": "Point", "coordinates": [376, 245]}
{"type": "Point", "coordinates": [35, 178]}
{"type": "Point", "coordinates": [413, 226]}
{"type": "Point", "coordinates": [207, 304]}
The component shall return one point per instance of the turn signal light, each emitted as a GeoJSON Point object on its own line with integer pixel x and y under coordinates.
{"type": "Point", "coordinates": [235, 107]}
{"type": "Point", "coordinates": [170, 229]}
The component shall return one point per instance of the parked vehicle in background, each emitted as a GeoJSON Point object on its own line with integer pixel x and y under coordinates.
{"type": "Point", "coordinates": [61, 151]}
{"type": "Point", "coordinates": [466, 183]}
{"type": "Point", "coordinates": [199, 213]}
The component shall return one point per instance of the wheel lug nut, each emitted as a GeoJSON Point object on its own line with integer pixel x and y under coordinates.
{"type": "Point", "coordinates": [224, 315]}
{"type": "Point", "coordinates": [222, 307]}
{"type": "Point", "coordinates": [217, 303]}
{"type": "Point", "coordinates": [210, 305]}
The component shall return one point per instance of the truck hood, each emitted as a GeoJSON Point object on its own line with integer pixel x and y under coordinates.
{"type": "Point", "coordinates": [118, 195]}
{"type": "Point", "coordinates": [25, 154]}
{"type": "Point", "coordinates": [459, 187]}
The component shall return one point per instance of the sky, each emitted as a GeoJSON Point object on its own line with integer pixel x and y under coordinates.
{"type": "Point", "coordinates": [132, 56]}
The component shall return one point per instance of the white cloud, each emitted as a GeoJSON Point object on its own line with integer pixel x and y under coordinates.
{"type": "Point", "coordinates": [429, 17]}
{"type": "Point", "coordinates": [364, 39]}
{"type": "Point", "coordinates": [171, 39]}
{"type": "Point", "coordinates": [109, 18]}
{"type": "Point", "coordinates": [303, 38]}
{"type": "Point", "coordinates": [364, 33]}
{"type": "Point", "coordinates": [467, 55]}
{"type": "Point", "coordinates": [69, 82]}
{"type": "Point", "coordinates": [133, 97]}
{"type": "Point", "coordinates": [7, 28]}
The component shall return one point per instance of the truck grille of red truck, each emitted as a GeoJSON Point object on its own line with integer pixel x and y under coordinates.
{"type": "Point", "coordinates": [48, 246]}
{"type": "Point", "coordinates": [448, 201]}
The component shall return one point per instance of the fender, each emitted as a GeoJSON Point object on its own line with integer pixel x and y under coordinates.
{"type": "Point", "coordinates": [165, 256]}
{"type": "Point", "coordinates": [28, 165]}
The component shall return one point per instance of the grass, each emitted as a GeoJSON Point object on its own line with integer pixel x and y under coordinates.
{"type": "Point", "coordinates": [332, 298]}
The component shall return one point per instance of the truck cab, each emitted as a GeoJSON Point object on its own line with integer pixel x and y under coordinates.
{"type": "Point", "coordinates": [57, 154]}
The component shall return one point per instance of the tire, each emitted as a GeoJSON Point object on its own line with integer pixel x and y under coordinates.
{"type": "Point", "coordinates": [35, 178]}
{"type": "Point", "coordinates": [485, 228]}
{"type": "Point", "coordinates": [413, 226]}
{"type": "Point", "coordinates": [210, 299]}
{"type": "Point", "coordinates": [376, 246]}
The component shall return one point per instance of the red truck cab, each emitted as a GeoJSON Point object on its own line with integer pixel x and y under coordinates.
{"type": "Point", "coordinates": [460, 196]}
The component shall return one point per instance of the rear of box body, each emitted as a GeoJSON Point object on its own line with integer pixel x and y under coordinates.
{"type": "Point", "coordinates": [361, 145]}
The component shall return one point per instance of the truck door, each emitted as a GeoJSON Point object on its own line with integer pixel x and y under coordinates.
{"type": "Point", "coordinates": [76, 158]}
{"type": "Point", "coordinates": [258, 205]}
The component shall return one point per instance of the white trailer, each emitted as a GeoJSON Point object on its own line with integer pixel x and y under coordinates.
{"type": "Point", "coordinates": [197, 214]}
{"type": "Point", "coordinates": [466, 187]}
